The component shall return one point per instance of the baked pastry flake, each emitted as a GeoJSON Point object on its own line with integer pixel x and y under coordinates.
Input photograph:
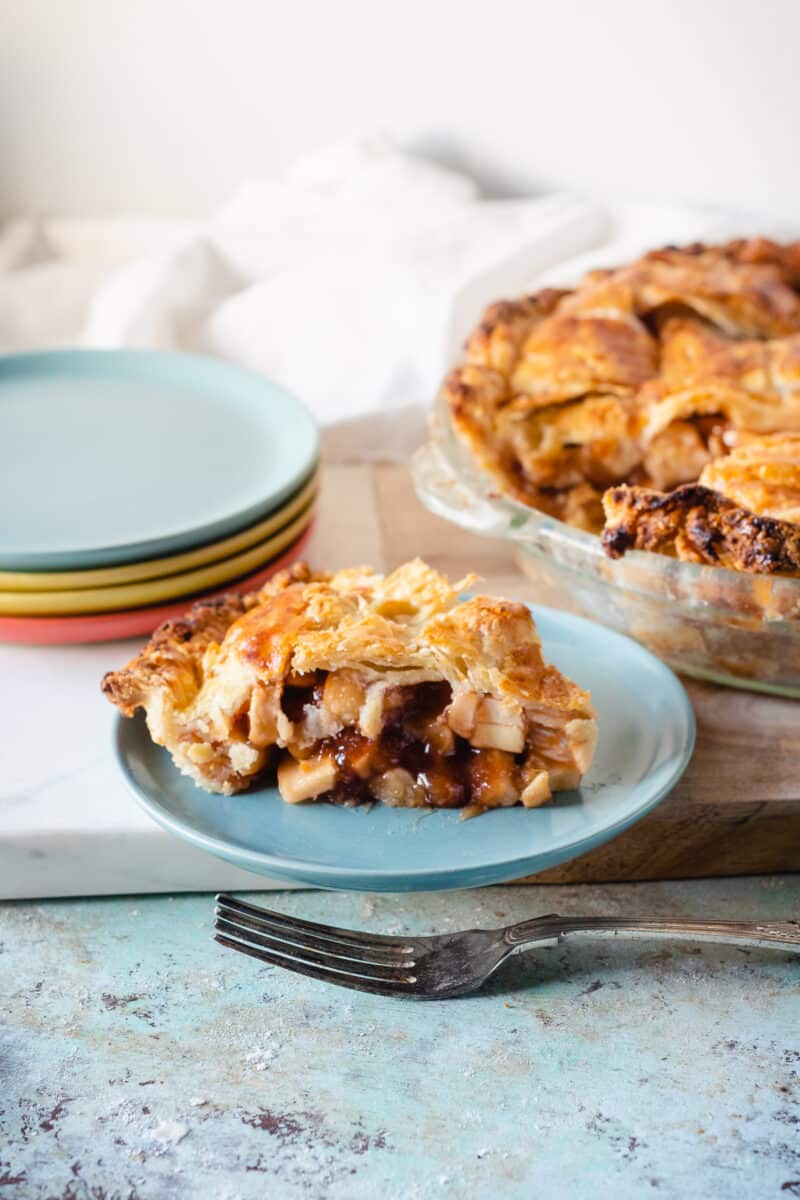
{"type": "Point", "coordinates": [355, 686]}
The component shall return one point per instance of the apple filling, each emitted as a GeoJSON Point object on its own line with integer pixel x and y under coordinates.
{"type": "Point", "coordinates": [412, 746]}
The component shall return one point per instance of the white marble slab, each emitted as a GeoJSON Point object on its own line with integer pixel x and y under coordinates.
{"type": "Point", "coordinates": [68, 824]}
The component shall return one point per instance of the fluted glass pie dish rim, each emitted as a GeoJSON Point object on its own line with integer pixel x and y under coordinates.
{"type": "Point", "coordinates": [728, 627]}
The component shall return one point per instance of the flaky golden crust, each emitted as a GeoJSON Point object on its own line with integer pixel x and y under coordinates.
{"type": "Point", "coordinates": [220, 689]}
{"type": "Point", "coordinates": [695, 524]}
{"type": "Point", "coordinates": [171, 655]}
{"type": "Point", "coordinates": [593, 343]}
{"type": "Point", "coordinates": [751, 385]}
{"type": "Point", "coordinates": [740, 296]}
{"type": "Point", "coordinates": [761, 474]}
{"type": "Point", "coordinates": [169, 661]}
{"type": "Point", "coordinates": [785, 258]}
{"type": "Point", "coordinates": [505, 326]}
{"type": "Point", "coordinates": [647, 374]}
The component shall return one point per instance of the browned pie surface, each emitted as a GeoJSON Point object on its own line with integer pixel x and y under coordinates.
{"type": "Point", "coordinates": [699, 525]}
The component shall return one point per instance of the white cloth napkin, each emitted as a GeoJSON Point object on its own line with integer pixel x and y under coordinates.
{"type": "Point", "coordinates": [351, 279]}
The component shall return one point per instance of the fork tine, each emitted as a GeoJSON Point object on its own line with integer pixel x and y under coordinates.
{"type": "Point", "coordinates": [399, 972]}
{"type": "Point", "coordinates": [358, 983]}
{"type": "Point", "coordinates": [301, 940]}
{"type": "Point", "coordinates": [351, 936]}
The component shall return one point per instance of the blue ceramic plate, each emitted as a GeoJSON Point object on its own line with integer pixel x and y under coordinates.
{"type": "Point", "coordinates": [646, 740]}
{"type": "Point", "coordinates": [112, 456]}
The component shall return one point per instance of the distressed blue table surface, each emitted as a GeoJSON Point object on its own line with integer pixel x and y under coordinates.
{"type": "Point", "coordinates": [138, 1059]}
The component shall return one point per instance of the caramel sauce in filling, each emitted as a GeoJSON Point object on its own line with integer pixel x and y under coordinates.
{"type": "Point", "coordinates": [447, 780]}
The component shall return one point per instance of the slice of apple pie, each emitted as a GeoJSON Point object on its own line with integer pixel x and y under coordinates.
{"type": "Point", "coordinates": [355, 686]}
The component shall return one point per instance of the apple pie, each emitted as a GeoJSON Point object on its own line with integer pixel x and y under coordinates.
{"type": "Point", "coordinates": [355, 686]}
{"type": "Point", "coordinates": [671, 386]}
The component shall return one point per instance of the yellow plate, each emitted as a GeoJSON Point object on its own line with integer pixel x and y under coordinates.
{"type": "Point", "coordinates": [156, 568]}
{"type": "Point", "coordinates": [154, 591]}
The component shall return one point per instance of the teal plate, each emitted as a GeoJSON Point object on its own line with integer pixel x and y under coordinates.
{"type": "Point", "coordinates": [113, 456]}
{"type": "Point", "coordinates": [646, 740]}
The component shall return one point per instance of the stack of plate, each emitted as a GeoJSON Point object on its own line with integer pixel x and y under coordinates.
{"type": "Point", "coordinates": [133, 482]}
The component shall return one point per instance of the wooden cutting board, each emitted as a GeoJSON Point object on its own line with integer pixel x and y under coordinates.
{"type": "Point", "coordinates": [736, 810]}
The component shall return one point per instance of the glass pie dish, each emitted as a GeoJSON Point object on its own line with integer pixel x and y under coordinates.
{"type": "Point", "coordinates": [728, 627]}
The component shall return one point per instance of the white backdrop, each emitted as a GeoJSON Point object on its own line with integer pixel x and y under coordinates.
{"type": "Point", "coordinates": [165, 106]}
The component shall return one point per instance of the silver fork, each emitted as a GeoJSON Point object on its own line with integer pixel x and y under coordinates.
{"type": "Point", "coordinates": [444, 965]}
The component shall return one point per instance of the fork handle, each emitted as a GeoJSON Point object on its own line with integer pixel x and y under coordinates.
{"type": "Point", "coordinates": [785, 932]}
